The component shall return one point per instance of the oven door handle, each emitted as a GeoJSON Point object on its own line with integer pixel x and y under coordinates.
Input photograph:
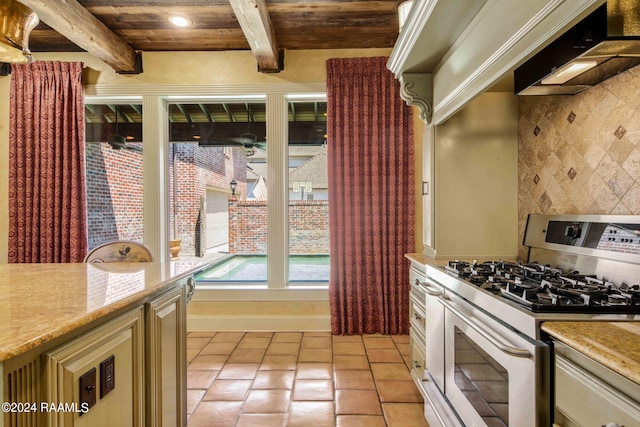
{"type": "Point", "coordinates": [505, 348]}
{"type": "Point", "coordinates": [429, 290]}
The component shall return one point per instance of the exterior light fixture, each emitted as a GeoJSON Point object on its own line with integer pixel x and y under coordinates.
{"type": "Point", "coordinates": [180, 21]}
{"type": "Point", "coordinates": [234, 185]}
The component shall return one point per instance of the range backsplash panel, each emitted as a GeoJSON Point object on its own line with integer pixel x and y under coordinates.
{"type": "Point", "coordinates": [580, 154]}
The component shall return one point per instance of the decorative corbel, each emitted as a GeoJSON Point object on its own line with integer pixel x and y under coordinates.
{"type": "Point", "coordinates": [416, 89]}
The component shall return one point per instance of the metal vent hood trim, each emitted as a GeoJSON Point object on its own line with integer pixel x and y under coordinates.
{"type": "Point", "coordinates": [609, 36]}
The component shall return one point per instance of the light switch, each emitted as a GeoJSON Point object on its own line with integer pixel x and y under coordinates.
{"type": "Point", "coordinates": [107, 375]}
{"type": "Point", "coordinates": [87, 390]}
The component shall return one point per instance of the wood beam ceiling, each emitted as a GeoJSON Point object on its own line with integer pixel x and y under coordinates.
{"type": "Point", "coordinates": [256, 26]}
{"type": "Point", "coordinates": [73, 21]}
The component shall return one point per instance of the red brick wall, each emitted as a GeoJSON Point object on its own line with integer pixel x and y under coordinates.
{"type": "Point", "coordinates": [308, 226]}
{"type": "Point", "coordinates": [114, 193]}
{"type": "Point", "coordinates": [199, 168]}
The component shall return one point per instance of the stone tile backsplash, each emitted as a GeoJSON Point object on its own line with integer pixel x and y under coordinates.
{"type": "Point", "coordinates": [580, 154]}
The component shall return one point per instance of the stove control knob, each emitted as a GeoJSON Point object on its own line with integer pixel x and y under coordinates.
{"type": "Point", "coordinates": [572, 231]}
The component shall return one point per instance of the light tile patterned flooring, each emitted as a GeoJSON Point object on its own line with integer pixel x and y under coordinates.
{"type": "Point", "coordinates": [294, 379]}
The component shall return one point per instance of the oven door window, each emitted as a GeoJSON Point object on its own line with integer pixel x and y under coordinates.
{"type": "Point", "coordinates": [484, 382]}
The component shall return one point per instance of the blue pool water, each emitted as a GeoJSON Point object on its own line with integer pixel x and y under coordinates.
{"type": "Point", "coordinates": [253, 268]}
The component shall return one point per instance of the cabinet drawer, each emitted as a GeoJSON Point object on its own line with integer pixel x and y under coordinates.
{"type": "Point", "coordinates": [418, 353]}
{"type": "Point", "coordinates": [585, 400]}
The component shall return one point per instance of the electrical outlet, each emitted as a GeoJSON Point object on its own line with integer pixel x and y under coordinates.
{"type": "Point", "coordinates": [107, 375]}
{"type": "Point", "coordinates": [87, 389]}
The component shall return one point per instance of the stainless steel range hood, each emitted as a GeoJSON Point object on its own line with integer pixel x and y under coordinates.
{"type": "Point", "coordinates": [602, 45]}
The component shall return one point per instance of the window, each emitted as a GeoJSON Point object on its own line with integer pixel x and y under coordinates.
{"type": "Point", "coordinates": [113, 161]}
{"type": "Point", "coordinates": [308, 193]}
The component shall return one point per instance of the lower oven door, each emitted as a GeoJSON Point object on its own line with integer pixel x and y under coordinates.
{"type": "Point", "coordinates": [494, 376]}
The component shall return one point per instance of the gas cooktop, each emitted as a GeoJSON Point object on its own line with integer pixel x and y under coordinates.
{"type": "Point", "coordinates": [542, 288]}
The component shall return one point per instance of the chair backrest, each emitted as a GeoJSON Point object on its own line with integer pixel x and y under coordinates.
{"type": "Point", "coordinates": [119, 251]}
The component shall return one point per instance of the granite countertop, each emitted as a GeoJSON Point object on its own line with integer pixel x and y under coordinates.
{"type": "Point", "coordinates": [615, 345]}
{"type": "Point", "coordinates": [40, 302]}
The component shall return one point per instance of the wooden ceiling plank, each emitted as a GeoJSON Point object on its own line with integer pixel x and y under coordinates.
{"type": "Point", "coordinates": [73, 21]}
{"type": "Point", "coordinates": [256, 25]}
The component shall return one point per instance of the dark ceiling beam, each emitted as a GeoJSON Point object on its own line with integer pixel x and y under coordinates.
{"type": "Point", "coordinates": [206, 113]}
{"type": "Point", "coordinates": [256, 26]}
{"type": "Point", "coordinates": [229, 113]}
{"type": "Point", "coordinates": [77, 24]}
{"type": "Point", "coordinates": [184, 112]}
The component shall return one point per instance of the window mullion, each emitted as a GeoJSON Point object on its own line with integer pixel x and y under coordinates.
{"type": "Point", "coordinates": [277, 185]}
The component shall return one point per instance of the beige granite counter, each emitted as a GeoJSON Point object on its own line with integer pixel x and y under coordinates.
{"type": "Point", "coordinates": [40, 302]}
{"type": "Point", "coordinates": [615, 345]}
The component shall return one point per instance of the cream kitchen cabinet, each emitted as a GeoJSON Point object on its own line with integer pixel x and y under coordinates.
{"type": "Point", "coordinates": [470, 181]}
{"type": "Point", "coordinates": [166, 360]}
{"type": "Point", "coordinates": [589, 394]}
{"type": "Point", "coordinates": [126, 370]}
{"type": "Point", "coordinates": [101, 373]}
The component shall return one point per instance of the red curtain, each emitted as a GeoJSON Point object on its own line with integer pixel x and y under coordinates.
{"type": "Point", "coordinates": [372, 208]}
{"type": "Point", "coordinates": [47, 201]}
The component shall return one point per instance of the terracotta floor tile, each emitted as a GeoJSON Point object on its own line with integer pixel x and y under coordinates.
{"type": "Point", "coordinates": [259, 334]}
{"type": "Point", "coordinates": [200, 379]}
{"type": "Point", "coordinates": [215, 414]}
{"type": "Point", "coordinates": [249, 342]}
{"type": "Point", "coordinates": [391, 355]}
{"type": "Point", "coordinates": [306, 414]}
{"type": "Point", "coordinates": [357, 402]}
{"type": "Point", "coordinates": [274, 380]}
{"type": "Point", "coordinates": [279, 362]}
{"type": "Point", "coordinates": [315, 355]}
{"type": "Point", "coordinates": [316, 342]}
{"type": "Point", "coordinates": [191, 354]}
{"type": "Point", "coordinates": [405, 349]}
{"type": "Point", "coordinates": [247, 355]}
{"type": "Point", "coordinates": [262, 420]}
{"type": "Point", "coordinates": [314, 371]}
{"type": "Point", "coordinates": [238, 371]}
{"type": "Point", "coordinates": [318, 334]}
{"type": "Point", "coordinates": [313, 390]}
{"type": "Point", "coordinates": [398, 391]}
{"type": "Point", "coordinates": [198, 334]}
{"type": "Point", "coordinates": [197, 343]}
{"type": "Point", "coordinates": [343, 361]}
{"type": "Point", "coordinates": [283, 348]}
{"type": "Point", "coordinates": [228, 337]}
{"type": "Point", "coordinates": [207, 362]}
{"type": "Point", "coordinates": [354, 380]}
{"type": "Point", "coordinates": [400, 339]}
{"type": "Point", "coordinates": [403, 415]}
{"type": "Point", "coordinates": [348, 348]}
{"type": "Point", "coordinates": [193, 398]}
{"type": "Point", "coordinates": [347, 338]}
{"type": "Point", "coordinates": [225, 348]}
{"type": "Point", "coordinates": [360, 421]}
{"type": "Point", "coordinates": [228, 390]}
{"type": "Point", "coordinates": [266, 402]}
{"type": "Point", "coordinates": [378, 342]}
{"type": "Point", "coordinates": [287, 337]}
{"type": "Point", "coordinates": [390, 371]}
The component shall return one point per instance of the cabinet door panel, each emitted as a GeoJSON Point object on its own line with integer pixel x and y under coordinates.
{"type": "Point", "coordinates": [166, 359]}
{"type": "Point", "coordinates": [120, 338]}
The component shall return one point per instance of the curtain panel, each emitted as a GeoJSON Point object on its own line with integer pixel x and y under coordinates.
{"type": "Point", "coordinates": [371, 189]}
{"type": "Point", "coordinates": [47, 199]}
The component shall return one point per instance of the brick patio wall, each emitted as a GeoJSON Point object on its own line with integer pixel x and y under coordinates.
{"type": "Point", "coordinates": [114, 194]}
{"type": "Point", "coordinates": [308, 226]}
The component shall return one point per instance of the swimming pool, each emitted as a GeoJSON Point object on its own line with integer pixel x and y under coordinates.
{"type": "Point", "coordinates": [253, 268]}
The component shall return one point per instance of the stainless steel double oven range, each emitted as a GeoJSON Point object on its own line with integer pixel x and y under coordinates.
{"type": "Point", "coordinates": [487, 363]}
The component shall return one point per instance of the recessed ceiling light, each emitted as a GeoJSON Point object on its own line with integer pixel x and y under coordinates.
{"type": "Point", "coordinates": [179, 21]}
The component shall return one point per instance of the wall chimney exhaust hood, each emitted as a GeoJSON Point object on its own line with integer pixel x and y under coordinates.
{"type": "Point", "coordinates": [602, 45]}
